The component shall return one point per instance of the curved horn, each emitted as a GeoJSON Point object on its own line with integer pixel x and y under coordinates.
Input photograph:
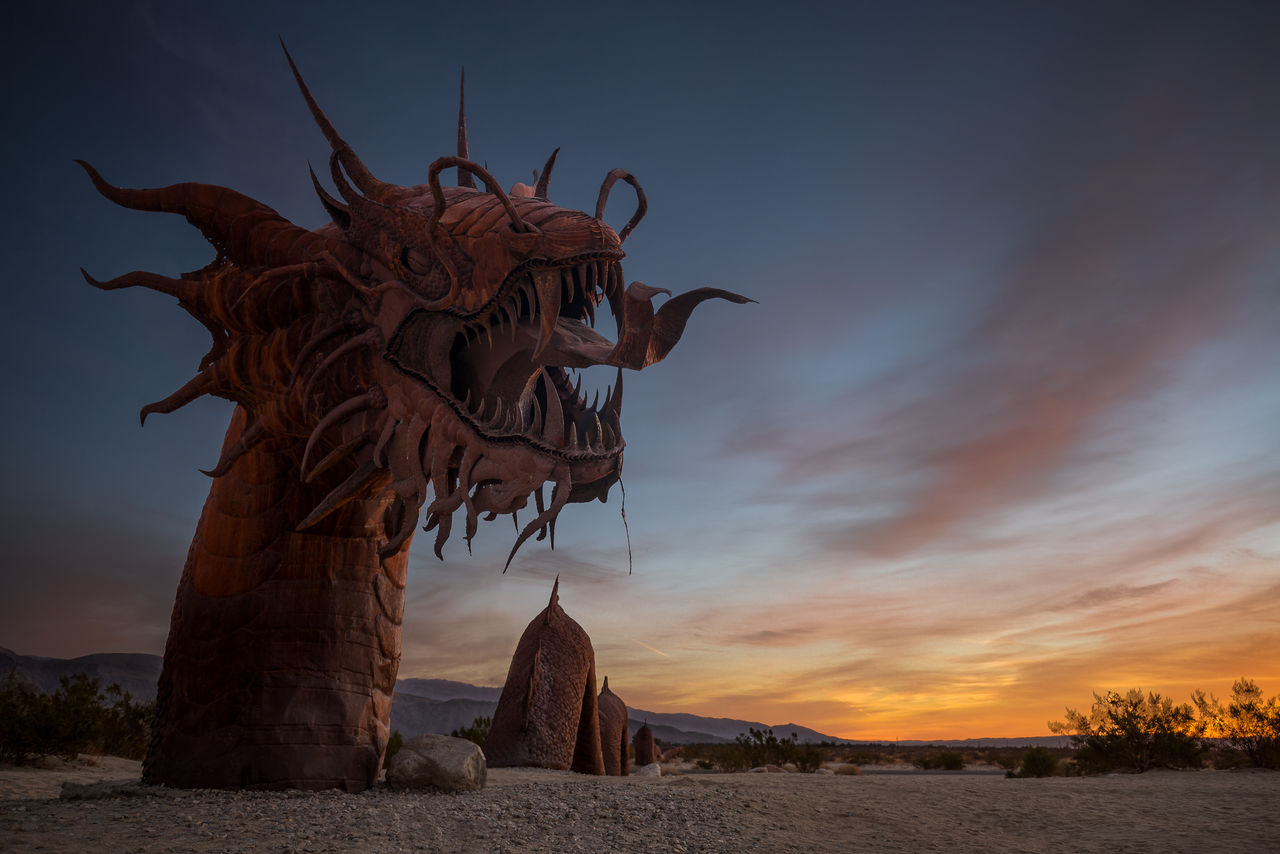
{"type": "Point", "coordinates": [364, 179]}
{"type": "Point", "coordinates": [464, 178]}
{"type": "Point", "coordinates": [545, 178]}
{"type": "Point", "coordinates": [338, 212]}
{"type": "Point", "coordinates": [603, 199]}
{"type": "Point", "coordinates": [491, 183]}
{"type": "Point", "coordinates": [246, 229]}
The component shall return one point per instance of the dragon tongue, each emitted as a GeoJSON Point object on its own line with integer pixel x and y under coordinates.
{"type": "Point", "coordinates": [572, 344]}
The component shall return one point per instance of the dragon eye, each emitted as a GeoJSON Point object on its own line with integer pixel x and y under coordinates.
{"type": "Point", "coordinates": [414, 261]}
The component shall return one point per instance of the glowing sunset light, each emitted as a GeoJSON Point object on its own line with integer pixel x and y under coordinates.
{"type": "Point", "coordinates": [1000, 433]}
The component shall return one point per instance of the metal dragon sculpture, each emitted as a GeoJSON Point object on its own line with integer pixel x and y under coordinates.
{"type": "Point", "coordinates": [416, 352]}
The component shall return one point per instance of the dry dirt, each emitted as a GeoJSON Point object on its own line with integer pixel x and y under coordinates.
{"type": "Point", "coordinates": [530, 810]}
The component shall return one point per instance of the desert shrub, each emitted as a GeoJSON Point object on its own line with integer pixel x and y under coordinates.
{"type": "Point", "coordinates": [77, 718]}
{"type": "Point", "coordinates": [394, 743]}
{"type": "Point", "coordinates": [1133, 731]}
{"type": "Point", "coordinates": [24, 709]}
{"type": "Point", "coordinates": [1222, 757]}
{"type": "Point", "coordinates": [1248, 724]}
{"type": "Point", "coordinates": [762, 747]}
{"type": "Point", "coordinates": [1008, 758]}
{"type": "Point", "coordinates": [1036, 762]}
{"type": "Point", "coordinates": [477, 732]}
{"type": "Point", "coordinates": [807, 758]}
{"type": "Point", "coordinates": [865, 757]}
{"type": "Point", "coordinates": [943, 760]}
{"type": "Point", "coordinates": [849, 770]}
{"type": "Point", "coordinates": [715, 757]}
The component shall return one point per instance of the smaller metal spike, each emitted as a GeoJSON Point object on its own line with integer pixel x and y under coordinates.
{"type": "Point", "coordinates": [535, 419]}
{"type": "Point", "coordinates": [614, 404]}
{"type": "Point", "coordinates": [599, 430]}
{"type": "Point", "coordinates": [553, 429]}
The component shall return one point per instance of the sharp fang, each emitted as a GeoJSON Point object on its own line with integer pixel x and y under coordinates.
{"type": "Point", "coordinates": [535, 419]}
{"type": "Point", "coordinates": [595, 400]}
{"type": "Point", "coordinates": [577, 388]}
{"type": "Point", "coordinates": [553, 430]}
{"type": "Point", "coordinates": [614, 404]}
{"type": "Point", "coordinates": [599, 430]}
{"type": "Point", "coordinates": [528, 401]}
{"type": "Point", "coordinates": [574, 277]}
{"type": "Point", "coordinates": [573, 437]}
{"type": "Point", "coordinates": [547, 285]}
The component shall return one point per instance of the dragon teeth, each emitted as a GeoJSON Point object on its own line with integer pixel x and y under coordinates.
{"type": "Point", "coordinates": [547, 284]}
{"type": "Point", "coordinates": [553, 429]}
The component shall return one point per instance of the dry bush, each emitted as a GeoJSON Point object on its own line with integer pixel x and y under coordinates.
{"type": "Point", "coordinates": [1133, 731]}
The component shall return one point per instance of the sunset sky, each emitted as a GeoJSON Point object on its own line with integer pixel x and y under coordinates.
{"type": "Point", "coordinates": [1003, 429]}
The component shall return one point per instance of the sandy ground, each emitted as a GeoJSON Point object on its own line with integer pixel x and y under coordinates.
{"type": "Point", "coordinates": [550, 811]}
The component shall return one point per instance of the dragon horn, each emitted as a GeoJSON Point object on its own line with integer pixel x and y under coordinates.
{"type": "Point", "coordinates": [544, 180]}
{"type": "Point", "coordinates": [603, 199]}
{"type": "Point", "coordinates": [364, 179]}
{"type": "Point", "coordinates": [464, 177]}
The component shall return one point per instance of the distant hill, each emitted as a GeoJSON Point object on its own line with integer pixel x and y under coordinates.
{"type": "Point", "coordinates": [441, 705]}
{"type": "Point", "coordinates": [446, 689]}
{"type": "Point", "coordinates": [136, 673]}
{"type": "Point", "coordinates": [695, 728]}
{"type": "Point", "coordinates": [413, 715]}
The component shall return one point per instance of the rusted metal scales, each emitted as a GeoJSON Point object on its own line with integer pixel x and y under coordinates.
{"type": "Point", "coordinates": [414, 353]}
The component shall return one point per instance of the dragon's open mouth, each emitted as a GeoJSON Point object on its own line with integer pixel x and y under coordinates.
{"type": "Point", "coordinates": [505, 370]}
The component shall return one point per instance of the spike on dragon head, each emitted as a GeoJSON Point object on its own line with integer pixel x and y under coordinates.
{"type": "Point", "coordinates": [422, 342]}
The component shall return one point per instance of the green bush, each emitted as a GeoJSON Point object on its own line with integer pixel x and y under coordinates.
{"type": "Point", "coordinates": [77, 718]}
{"type": "Point", "coordinates": [477, 732]}
{"type": "Point", "coordinates": [1248, 723]}
{"type": "Point", "coordinates": [944, 760]}
{"type": "Point", "coordinates": [1037, 762]}
{"type": "Point", "coordinates": [1135, 732]}
{"type": "Point", "coordinates": [865, 756]}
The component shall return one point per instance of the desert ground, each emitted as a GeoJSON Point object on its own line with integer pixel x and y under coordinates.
{"type": "Point", "coordinates": [529, 810]}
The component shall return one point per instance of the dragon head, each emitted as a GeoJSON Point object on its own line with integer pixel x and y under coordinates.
{"type": "Point", "coordinates": [423, 342]}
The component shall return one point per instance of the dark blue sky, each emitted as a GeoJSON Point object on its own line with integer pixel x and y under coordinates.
{"type": "Point", "coordinates": [1005, 411]}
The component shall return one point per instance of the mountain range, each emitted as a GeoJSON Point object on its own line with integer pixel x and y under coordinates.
{"type": "Point", "coordinates": [438, 705]}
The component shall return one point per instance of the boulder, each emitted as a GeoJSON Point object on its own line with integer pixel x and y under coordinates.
{"type": "Point", "coordinates": [653, 769]}
{"type": "Point", "coordinates": [438, 762]}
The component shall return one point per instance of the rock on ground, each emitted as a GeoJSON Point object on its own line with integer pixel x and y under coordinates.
{"type": "Point", "coordinates": [438, 762]}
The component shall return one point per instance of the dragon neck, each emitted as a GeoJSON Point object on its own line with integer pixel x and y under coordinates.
{"type": "Point", "coordinates": [276, 619]}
